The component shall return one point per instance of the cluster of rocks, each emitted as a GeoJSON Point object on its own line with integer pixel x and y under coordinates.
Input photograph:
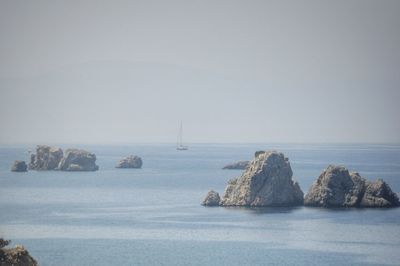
{"type": "Point", "coordinates": [237, 165]}
{"type": "Point", "coordinates": [267, 181]}
{"type": "Point", "coordinates": [17, 256]}
{"type": "Point", "coordinates": [337, 187]}
{"type": "Point", "coordinates": [53, 158]}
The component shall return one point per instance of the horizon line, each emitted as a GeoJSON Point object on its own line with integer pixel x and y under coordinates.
{"type": "Point", "coordinates": [195, 143]}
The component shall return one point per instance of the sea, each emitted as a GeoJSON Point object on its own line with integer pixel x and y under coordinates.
{"type": "Point", "coordinates": [153, 215]}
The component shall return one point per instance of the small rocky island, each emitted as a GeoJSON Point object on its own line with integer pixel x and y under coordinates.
{"type": "Point", "coordinates": [17, 256]}
{"type": "Point", "coordinates": [238, 165]}
{"type": "Point", "coordinates": [337, 187]}
{"type": "Point", "coordinates": [212, 199]}
{"type": "Point", "coordinates": [267, 181]}
{"type": "Point", "coordinates": [19, 166]}
{"type": "Point", "coordinates": [53, 158]}
{"type": "Point", "coordinates": [131, 161]}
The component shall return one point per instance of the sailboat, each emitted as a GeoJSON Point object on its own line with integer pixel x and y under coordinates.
{"type": "Point", "coordinates": [179, 143]}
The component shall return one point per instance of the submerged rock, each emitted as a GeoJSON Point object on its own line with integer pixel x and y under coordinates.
{"type": "Point", "coordinates": [237, 165]}
{"type": "Point", "coordinates": [17, 256]}
{"type": "Point", "coordinates": [267, 181]}
{"type": "Point", "coordinates": [212, 199]}
{"type": "Point", "coordinates": [132, 161]}
{"type": "Point", "coordinates": [46, 158]}
{"type": "Point", "coordinates": [19, 166]}
{"type": "Point", "coordinates": [78, 160]}
{"type": "Point", "coordinates": [337, 187]}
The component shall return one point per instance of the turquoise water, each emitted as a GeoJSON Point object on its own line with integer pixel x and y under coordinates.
{"type": "Point", "coordinates": [153, 216]}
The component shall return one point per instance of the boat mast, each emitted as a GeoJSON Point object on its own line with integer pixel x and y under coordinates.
{"type": "Point", "coordinates": [180, 135]}
{"type": "Point", "coordinates": [179, 141]}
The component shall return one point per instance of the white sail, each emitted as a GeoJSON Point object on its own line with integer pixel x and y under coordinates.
{"type": "Point", "coordinates": [179, 144]}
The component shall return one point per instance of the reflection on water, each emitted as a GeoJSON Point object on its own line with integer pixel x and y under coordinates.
{"type": "Point", "coordinates": [263, 210]}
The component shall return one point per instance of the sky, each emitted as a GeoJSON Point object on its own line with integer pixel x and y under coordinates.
{"type": "Point", "coordinates": [102, 72]}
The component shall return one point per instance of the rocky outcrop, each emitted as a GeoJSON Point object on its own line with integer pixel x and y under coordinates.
{"type": "Point", "coordinates": [46, 158]}
{"type": "Point", "coordinates": [337, 187]}
{"type": "Point", "coordinates": [237, 165]}
{"type": "Point", "coordinates": [212, 199]}
{"type": "Point", "coordinates": [19, 166]}
{"type": "Point", "coordinates": [130, 162]}
{"type": "Point", "coordinates": [267, 181]}
{"type": "Point", "coordinates": [53, 158]}
{"type": "Point", "coordinates": [379, 194]}
{"type": "Point", "coordinates": [78, 160]}
{"type": "Point", "coordinates": [17, 256]}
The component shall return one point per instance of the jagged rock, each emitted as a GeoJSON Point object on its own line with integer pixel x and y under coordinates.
{"type": "Point", "coordinates": [78, 160]}
{"type": "Point", "coordinates": [19, 166]}
{"type": "Point", "coordinates": [212, 199]}
{"type": "Point", "coordinates": [379, 194]}
{"type": "Point", "coordinates": [337, 187]}
{"type": "Point", "coordinates": [17, 256]}
{"type": "Point", "coordinates": [258, 153]}
{"type": "Point", "coordinates": [4, 243]}
{"type": "Point", "coordinates": [267, 181]}
{"type": "Point", "coordinates": [130, 162]}
{"type": "Point", "coordinates": [46, 158]}
{"type": "Point", "coordinates": [237, 165]}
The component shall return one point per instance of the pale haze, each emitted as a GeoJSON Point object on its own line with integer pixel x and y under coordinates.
{"type": "Point", "coordinates": [232, 71]}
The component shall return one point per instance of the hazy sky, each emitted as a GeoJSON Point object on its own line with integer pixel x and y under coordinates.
{"type": "Point", "coordinates": [233, 71]}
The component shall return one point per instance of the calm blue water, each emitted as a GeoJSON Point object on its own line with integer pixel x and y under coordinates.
{"type": "Point", "coordinates": [152, 216]}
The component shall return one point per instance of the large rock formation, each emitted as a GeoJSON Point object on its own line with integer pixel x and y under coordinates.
{"type": "Point", "coordinates": [53, 158]}
{"type": "Point", "coordinates": [130, 162]}
{"type": "Point", "coordinates": [19, 166]}
{"type": "Point", "coordinates": [17, 256]}
{"type": "Point", "coordinates": [78, 160]}
{"type": "Point", "coordinates": [237, 165]}
{"type": "Point", "coordinates": [267, 181]}
{"type": "Point", "coordinates": [46, 158]}
{"type": "Point", "coordinates": [212, 199]}
{"type": "Point", "coordinates": [337, 187]}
